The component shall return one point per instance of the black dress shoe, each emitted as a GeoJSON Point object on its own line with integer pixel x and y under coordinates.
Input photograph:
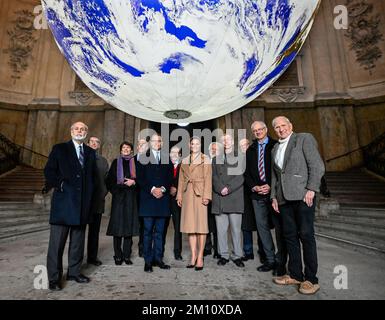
{"type": "Point", "coordinates": [216, 255]}
{"type": "Point", "coordinates": [147, 267]}
{"type": "Point", "coordinates": [239, 263]}
{"type": "Point", "coordinates": [79, 279]}
{"type": "Point", "coordinates": [55, 285]}
{"type": "Point", "coordinates": [222, 261]}
{"type": "Point", "coordinates": [178, 257]}
{"type": "Point", "coordinates": [266, 267]}
{"type": "Point", "coordinates": [248, 257]}
{"type": "Point", "coordinates": [161, 265]}
{"type": "Point", "coordinates": [118, 260]}
{"type": "Point", "coordinates": [199, 268]}
{"type": "Point", "coordinates": [127, 261]}
{"type": "Point", "coordinates": [95, 262]}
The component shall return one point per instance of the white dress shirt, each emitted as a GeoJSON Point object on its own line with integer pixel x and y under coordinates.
{"type": "Point", "coordinates": [280, 155]}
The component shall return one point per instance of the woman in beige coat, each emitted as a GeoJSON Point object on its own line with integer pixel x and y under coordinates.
{"type": "Point", "coordinates": [194, 194]}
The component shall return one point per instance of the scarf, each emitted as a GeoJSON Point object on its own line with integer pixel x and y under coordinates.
{"type": "Point", "coordinates": [120, 171]}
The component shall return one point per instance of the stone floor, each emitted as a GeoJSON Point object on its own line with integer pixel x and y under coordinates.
{"type": "Point", "coordinates": [19, 257]}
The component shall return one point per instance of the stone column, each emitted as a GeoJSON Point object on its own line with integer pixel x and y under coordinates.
{"type": "Point", "coordinates": [44, 136]}
{"type": "Point", "coordinates": [339, 137]}
{"type": "Point", "coordinates": [29, 136]}
{"type": "Point", "coordinates": [114, 133]}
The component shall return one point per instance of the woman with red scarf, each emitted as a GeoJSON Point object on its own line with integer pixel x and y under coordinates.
{"type": "Point", "coordinates": [124, 221]}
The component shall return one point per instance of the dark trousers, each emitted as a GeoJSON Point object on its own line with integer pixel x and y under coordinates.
{"type": "Point", "coordinates": [153, 238]}
{"type": "Point", "coordinates": [212, 238]}
{"type": "Point", "coordinates": [141, 232]}
{"type": "Point", "coordinates": [57, 241]}
{"type": "Point", "coordinates": [248, 242]}
{"type": "Point", "coordinates": [127, 246]}
{"type": "Point", "coordinates": [93, 238]}
{"type": "Point", "coordinates": [262, 211]}
{"type": "Point", "coordinates": [281, 254]}
{"type": "Point", "coordinates": [298, 225]}
{"type": "Point", "coordinates": [261, 252]}
{"type": "Point", "coordinates": [175, 215]}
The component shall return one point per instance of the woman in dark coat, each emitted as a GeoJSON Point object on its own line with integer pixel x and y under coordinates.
{"type": "Point", "coordinates": [124, 221]}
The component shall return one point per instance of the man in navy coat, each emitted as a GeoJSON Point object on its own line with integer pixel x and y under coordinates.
{"type": "Point", "coordinates": [154, 176]}
{"type": "Point", "coordinates": [70, 170]}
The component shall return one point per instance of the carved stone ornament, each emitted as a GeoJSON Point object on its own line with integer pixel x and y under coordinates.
{"type": "Point", "coordinates": [82, 98]}
{"type": "Point", "coordinates": [21, 42]}
{"type": "Point", "coordinates": [364, 33]}
{"type": "Point", "coordinates": [287, 95]}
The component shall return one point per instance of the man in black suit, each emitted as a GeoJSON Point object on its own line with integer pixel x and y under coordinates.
{"type": "Point", "coordinates": [70, 170]}
{"type": "Point", "coordinates": [258, 180]}
{"type": "Point", "coordinates": [175, 209]}
{"type": "Point", "coordinates": [98, 203]}
{"type": "Point", "coordinates": [154, 177]}
{"type": "Point", "coordinates": [141, 148]}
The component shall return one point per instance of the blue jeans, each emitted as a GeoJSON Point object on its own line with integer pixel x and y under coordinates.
{"type": "Point", "coordinates": [248, 242]}
{"type": "Point", "coordinates": [153, 228]}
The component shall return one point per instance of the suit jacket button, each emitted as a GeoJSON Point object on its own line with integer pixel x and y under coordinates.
{"type": "Point", "coordinates": [77, 176]}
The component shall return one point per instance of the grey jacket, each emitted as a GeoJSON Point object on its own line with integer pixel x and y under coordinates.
{"type": "Point", "coordinates": [302, 169]}
{"type": "Point", "coordinates": [233, 202]}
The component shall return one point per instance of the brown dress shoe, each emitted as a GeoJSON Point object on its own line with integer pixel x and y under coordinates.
{"type": "Point", "coordinates": [307, 287]}
{"type": "Point", "coordinates": [285, 280]}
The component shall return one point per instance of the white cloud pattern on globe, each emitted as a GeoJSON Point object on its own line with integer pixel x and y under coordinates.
{"type": "Point", "coordinates": [176, 60]}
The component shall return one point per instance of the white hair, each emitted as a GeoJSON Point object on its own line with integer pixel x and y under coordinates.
{"type": "Point", "coordinates": [282, 117]}
{"type": "Point", "coordinates": [256, 122]}
{"type": "Point", "coordinates": [72, 126]}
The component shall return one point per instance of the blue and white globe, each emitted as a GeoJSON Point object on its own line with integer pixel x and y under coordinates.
{"type": "Point", "coordinates": [173, 60]}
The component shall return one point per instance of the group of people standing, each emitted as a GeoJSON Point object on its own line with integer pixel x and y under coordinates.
{"type": "Point", "coordinates": [204, 195]}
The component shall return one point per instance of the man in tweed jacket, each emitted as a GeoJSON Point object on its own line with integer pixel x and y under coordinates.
{"type": "Point", "coordinates": [297, 169]}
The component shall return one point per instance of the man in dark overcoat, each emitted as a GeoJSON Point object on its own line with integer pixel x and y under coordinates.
{"type": "Point", "coordinates": [70, 170]}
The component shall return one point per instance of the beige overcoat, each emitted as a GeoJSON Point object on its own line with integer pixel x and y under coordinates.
{"type": "Point", "coordinates": [194, 185]}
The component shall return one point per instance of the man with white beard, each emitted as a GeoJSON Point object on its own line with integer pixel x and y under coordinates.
{"type": "Point", "coordinates": [70, 170]}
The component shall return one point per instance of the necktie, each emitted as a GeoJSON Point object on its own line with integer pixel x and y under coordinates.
{"type": "Point", "coordinates": [261, 167]}
{"type": "Point", "coordinates": [158, 157]}
{"type": "Point", "coordinates": [81, 156]}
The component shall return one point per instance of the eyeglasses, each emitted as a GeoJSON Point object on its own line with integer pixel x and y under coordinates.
{"type": "Point", "coordinates": [259, 130]}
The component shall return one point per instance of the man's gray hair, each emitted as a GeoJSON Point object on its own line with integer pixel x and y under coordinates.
{"type": "Point", "coordinates": [72, 126]}
{"type": "Point", "coordinates": [282, 117]}
{"type": "Point", "coordinates": [256, 122]}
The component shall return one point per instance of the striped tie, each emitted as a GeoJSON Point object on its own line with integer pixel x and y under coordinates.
{"type": "Point", "coordinates": [81, 156]}
{"type": "Point", "coordinates": [261, 167]}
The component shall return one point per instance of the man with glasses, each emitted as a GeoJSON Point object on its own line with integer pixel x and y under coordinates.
{"type": "Point", "coordinates": [71, 171]}
{"type": "Point", "coordinates": [258, 180]}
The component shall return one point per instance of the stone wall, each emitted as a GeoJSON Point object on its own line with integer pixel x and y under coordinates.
{"type": "Point", "coordinates": [335, 89]}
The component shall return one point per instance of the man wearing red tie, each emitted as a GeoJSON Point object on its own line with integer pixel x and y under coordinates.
{"type": "Point", "coordinates": [175, 209]}
{"type": "Point", "coordinates": [258, 180]}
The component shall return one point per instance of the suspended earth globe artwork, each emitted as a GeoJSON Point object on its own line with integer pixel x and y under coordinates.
{"type": "Point", "coordinates": [179, 60]}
